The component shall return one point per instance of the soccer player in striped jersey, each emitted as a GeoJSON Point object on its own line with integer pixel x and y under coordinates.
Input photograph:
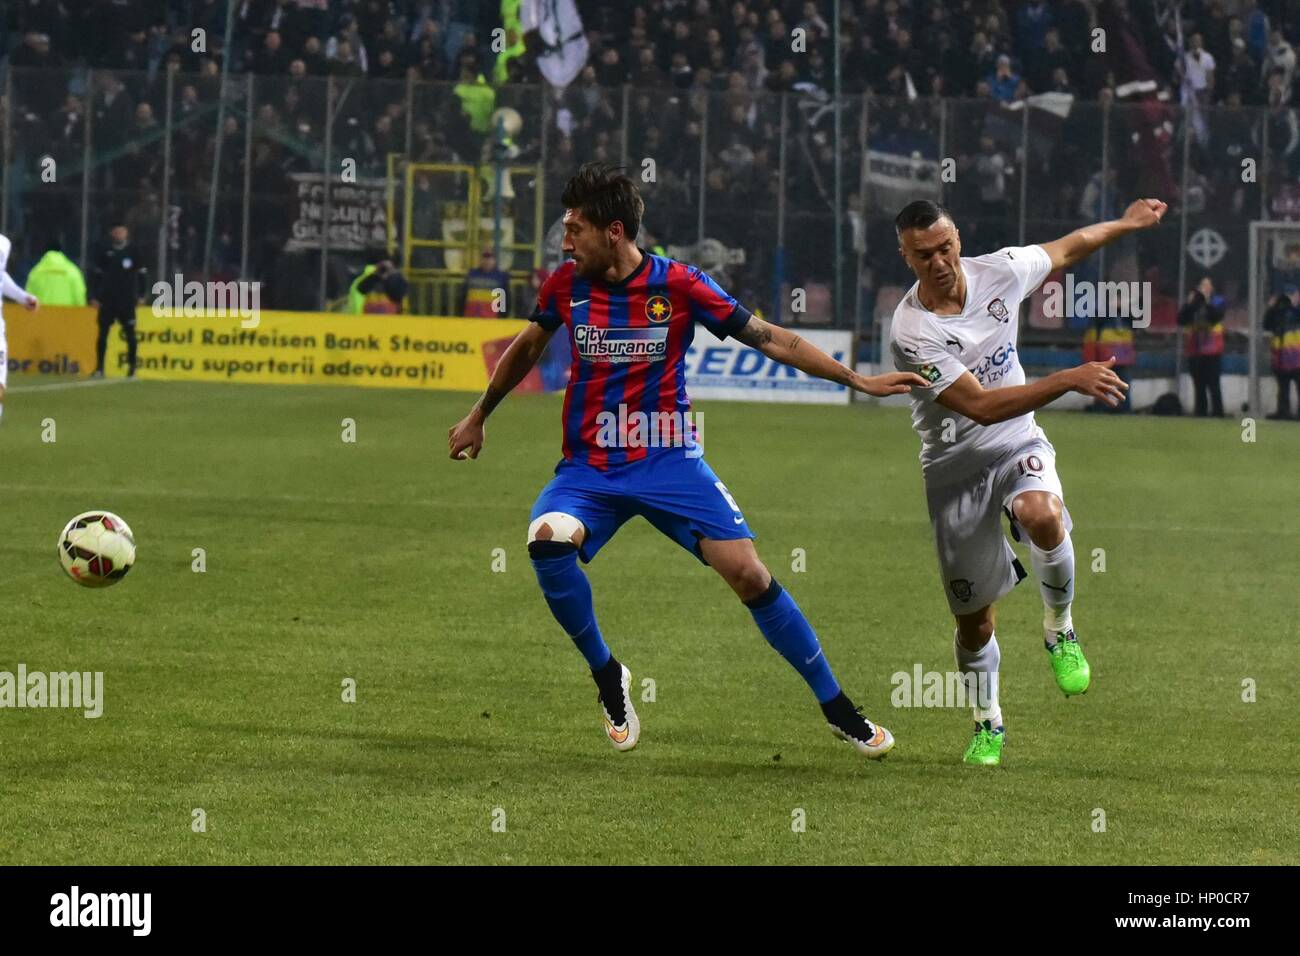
{"type": "Point", "coordinates": [630, 317]}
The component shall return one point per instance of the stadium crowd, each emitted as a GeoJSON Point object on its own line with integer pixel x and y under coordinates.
{"type": "Point", "coordinates": [701, 76]}
{"type": "Point", "coordinates": [1001, 49]}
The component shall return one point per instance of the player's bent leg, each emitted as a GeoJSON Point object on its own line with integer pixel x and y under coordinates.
{"type": "Point", "coordinates": [784, 626]}
{"type": "Point", "coordinates": [976, 629]}
{"type": "Point", "coordinates": [975, 648]}
{"type": "Point", "coordinates": [1040, 513]}
{"type": "Point", "coordinates": [737, 562]}
{"type": "Point", "coordinates": [553, 542]}
{"type": "Point", "coordinates": [1051, 554]}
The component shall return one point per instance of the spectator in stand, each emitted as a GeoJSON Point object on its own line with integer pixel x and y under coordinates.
{"type": "Point", "coordinates": [1004, 83]}
{"type": "Point", "coordinates": [1198, 70]}
{"type": "Point", "coordinates": [1033, 21]}
{"type": "Point", "coordinates": [272, 59]}
{"type": "Point", "coordinates": [1201, 318]}
{"type": "Point", "coordinates": [1280, 56]}
{"type": "Point", "coordinates": [1240, 76]}
{"type": "Point", "coordinates": [379, 289]}
{"type": "Point", "coordinates": [486, 287]}
{"type": "Point", "coordinates": [1042, 66]}
{"type": "Point", "coordinates": [1282, 322]}
{"type": "Point", "coordinates": [34, 89]}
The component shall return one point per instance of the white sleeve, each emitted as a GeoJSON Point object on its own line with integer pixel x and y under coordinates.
{"type": "Point", "coordinates": [10, 289]}
{"type": "Point", "coordinates": [1030, 264]}
{"type": "Point", "coordinates": [929, 360]}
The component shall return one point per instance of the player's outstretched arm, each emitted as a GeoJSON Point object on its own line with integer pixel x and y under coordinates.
{"type": "Point", "coordinates": [465, 438]}
{"type": "Point", "coordinates": [1078, 245]}
{"type": "Point", "coordinates": [12, 290]}
{"type": "Point", "coordinates": [788, 348]}
{"type": "Point", "coordinates": [983, 406]}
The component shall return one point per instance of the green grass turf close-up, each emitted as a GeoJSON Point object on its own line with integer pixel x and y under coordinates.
{"type": "Point", "coordinates": [382, 562]}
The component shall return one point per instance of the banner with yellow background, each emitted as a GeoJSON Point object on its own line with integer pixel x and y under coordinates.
{"type": "Point", "coordinates": [385, 351]}
{"type": "Point", "coordinates": [56, 341]}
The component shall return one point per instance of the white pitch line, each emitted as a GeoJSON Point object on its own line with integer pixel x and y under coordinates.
{"type": "Point", "coordinates": [81, 383]}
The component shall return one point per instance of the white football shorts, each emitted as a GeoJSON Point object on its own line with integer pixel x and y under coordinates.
{"type": "Point", "coordinates": [976, 561]}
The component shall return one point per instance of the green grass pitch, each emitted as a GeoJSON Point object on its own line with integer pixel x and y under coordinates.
{"type": "Point", "coordinates": [374, 561]}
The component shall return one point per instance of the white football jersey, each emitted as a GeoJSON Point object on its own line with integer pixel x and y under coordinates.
{"type": "Point", "coordinates": [5, 246]}
{"type": "Point", "coordinates": [981, 340]}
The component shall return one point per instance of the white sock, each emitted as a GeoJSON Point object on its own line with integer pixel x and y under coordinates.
{"type": "Point", "coordinates": [1055, 572]}
{"type": "Point", "coordinates": [2, 409]}
{"type": "Point", "coordinates": [984, 661]}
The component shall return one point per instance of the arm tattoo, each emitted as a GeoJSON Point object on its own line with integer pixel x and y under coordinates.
{"type": "Point", "coordinates": [756, 333]}
{"type": "Point", "coordinates": [490, 400]}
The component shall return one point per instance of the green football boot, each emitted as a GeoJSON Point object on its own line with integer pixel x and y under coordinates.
{"type": "Point", "coordinates": [1073, 675]}
{"type": "Point", "coordinates": [985, 748]}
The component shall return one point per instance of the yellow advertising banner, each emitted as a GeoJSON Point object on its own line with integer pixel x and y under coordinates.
{"type": "Point", "coordinates": [309, 348]}
{"type": "Point", "coordinates": [55, 340]}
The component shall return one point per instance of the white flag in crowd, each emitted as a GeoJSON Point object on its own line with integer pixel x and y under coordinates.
{"type": "Point", "coordinates": [560, 28]}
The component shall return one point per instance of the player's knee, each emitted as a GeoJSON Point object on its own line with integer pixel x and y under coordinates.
{"type": "Point", "coordinates": [749, 580]}
{"type": "Point", "coordinates": [554, 534]}
{"type": "Point", "coordinates": [1041, 517]}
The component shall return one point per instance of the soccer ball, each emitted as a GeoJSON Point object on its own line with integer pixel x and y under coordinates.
{"type": "Point", "coordinates": [96, 549]}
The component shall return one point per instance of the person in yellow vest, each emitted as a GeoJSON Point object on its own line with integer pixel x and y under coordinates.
{"type": "Point", "coordinates": [486, 293]}
{"type": "Point", "coordinates": [1282, 322]}
{"type": "Point", "coordinates": [1111, 338]}
{"type": "Point", "coordinates": [379, 289]}
{"type": "Point", "coordinates": [56, 280]}
{"type": "Point", "coordinates": [1202, 317]}
{"type": "Point", "coordinates": [477, 97]}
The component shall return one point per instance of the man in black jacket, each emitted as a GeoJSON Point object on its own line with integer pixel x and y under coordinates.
{"type": "Point", "coordinates": [119, 280]}
{"type": "Point", "coordinates": [1282, 322]}
{"type": "Point", "coordinates": [1202, 319]}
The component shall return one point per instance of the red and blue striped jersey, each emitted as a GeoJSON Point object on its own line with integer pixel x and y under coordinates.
{"type": "Point", "coordinates": [629, 341]}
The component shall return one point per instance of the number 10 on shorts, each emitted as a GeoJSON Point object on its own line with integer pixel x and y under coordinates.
{"type": "Point", "coordinates": [1031, 464]}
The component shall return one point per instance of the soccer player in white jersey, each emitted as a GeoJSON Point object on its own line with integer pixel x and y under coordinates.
{"type": "Point", "coordinates": [982, 455]}
{"type": "Point", "coordinates": [9, 289]}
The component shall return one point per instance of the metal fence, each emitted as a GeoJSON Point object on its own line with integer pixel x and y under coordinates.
{"type": "Point", "coordinates": [742, 181]}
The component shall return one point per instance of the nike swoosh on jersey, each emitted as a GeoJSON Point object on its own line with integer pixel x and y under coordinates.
{"type": "Point", "coordinates": [574, 305]}
{"type": "Point", "coordinates": [739, 519]}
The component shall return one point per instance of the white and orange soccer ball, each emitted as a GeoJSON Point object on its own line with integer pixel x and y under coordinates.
{"type": "Point", "coordinates": [97, 548]}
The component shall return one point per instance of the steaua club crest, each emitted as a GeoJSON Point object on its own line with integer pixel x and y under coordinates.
{"type": "Point", "coordinates": [998, 309]}
{"type": "Point", "coordinates": [658, 308]}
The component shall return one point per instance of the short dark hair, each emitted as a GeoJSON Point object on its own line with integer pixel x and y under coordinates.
{"type": "Point", "coordinates": [602, 193]}
{"type": "Point", "coordinates": [920, 214]}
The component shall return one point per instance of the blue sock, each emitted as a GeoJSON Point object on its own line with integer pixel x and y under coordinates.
{"type": "Point", "coordinates": [569, 594]}
{"type": "Point", "coordinates": [787, 630]}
